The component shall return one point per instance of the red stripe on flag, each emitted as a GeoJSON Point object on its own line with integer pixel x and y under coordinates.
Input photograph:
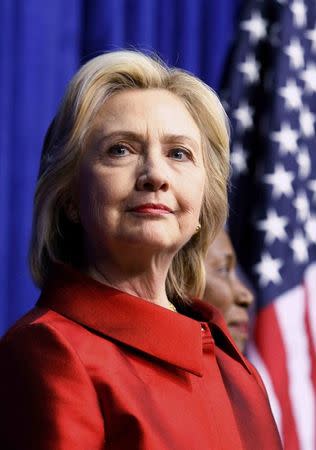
{"type": "Point", "coordinates": [311, 346]}
{"type": "Point", "coordinates": [270, 346]}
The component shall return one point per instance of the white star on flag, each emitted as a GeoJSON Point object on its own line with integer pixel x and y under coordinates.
{"type": "Point", "coordinates": [298, 9]}
{"type": "Point", "coordinates": [312, 186]}
{"type": "Point", "coordinates": [256, 27]}
{"type": "Point", "coordinates": [304, 163]}
{"type": "Point", "coordinates": [250, 69]}
{"type": "Point", "coordinates": [286, 138]}
{"type": "Point", "coordinates": [243, 114]}
{"type": "Point", "coordinates": [292, 95]}
{"type": "Point", "coordinates": [268, 270]}
{"type": "Point", "coordinates": [309, 77]}
{"type": "Point", "coordinates": [296, 53]}
{"type": "Point", "coordinates": [307, 120]}
{"type": "Point", "coordinates": [281, 181]}
{"type": "Point", "coordinates": [310, 229]}
{"type": "Point", "coordinates": [311, 35]}
{"type": "Point", "coordinates": [299, 247]}
{"type": "Point", "coordinates": [238, 159]}
{"type": "Point", "coordinates": [273, 226]}
{"type": "Point", "coordinates": [301, 205]}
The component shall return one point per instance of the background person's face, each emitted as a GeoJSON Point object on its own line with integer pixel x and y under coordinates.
{"type": "Point", "coordinates": [141, 179]}
{"type": "Point", "coordinates": [225, 290]}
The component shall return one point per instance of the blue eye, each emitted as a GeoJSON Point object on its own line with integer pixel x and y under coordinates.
{"type": "Point", "coordinates": [180, 154]}
{"type": "Point", "coordinates": [119, 150]}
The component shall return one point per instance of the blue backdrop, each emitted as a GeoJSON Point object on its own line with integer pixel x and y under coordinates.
{"type": "Point", "coordinates": [42, 44]}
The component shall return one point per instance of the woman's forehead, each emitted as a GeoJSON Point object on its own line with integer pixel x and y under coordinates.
{"type": "Point", "coordinates": [221, 246]}
{"type": "Point", "coordinates": [137, 110]}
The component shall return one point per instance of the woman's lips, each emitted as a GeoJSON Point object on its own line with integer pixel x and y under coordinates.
{"type": "Point", "coordinates": [152, 209]}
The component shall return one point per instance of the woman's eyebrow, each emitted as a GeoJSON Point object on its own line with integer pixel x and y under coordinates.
{"type": "Point", "coordinates": [179, 138]}
{"type": "Point", "coordinates": [230, 258]}
{"type": "Point", "coordinates": [134, 136]}
{"type": "Point", "coordinates": [131, 135]}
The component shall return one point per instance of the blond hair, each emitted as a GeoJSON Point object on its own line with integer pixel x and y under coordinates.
{"type": "Point", "coordinates": [54, 237]}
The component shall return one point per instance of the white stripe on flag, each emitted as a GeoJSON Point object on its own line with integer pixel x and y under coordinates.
{"type": "Point", "coordinates": [257, 361]}
{"type": "Point", "coordinates": [310, 280]}
{"type": "Point", "coordinates": [290, 310]}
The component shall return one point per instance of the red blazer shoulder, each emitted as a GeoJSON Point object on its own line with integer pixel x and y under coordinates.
{"type": "Point", "coordinates": [38, 366]}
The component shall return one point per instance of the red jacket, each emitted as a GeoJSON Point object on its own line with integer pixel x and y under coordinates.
{"type": "Point", "coordinates": [94, 368]}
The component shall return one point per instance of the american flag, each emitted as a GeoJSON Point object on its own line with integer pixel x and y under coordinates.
{"type": "Point", "coordinates": [270, 92]}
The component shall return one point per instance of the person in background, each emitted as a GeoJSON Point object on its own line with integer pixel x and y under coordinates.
{"type": "Point", "coordinates": [225, 289]}
{"type": "Point", "coordinates": [119, 353]}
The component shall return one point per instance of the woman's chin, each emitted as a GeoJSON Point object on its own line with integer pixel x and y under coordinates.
{"type": "Point", "coordinates": [153, 239]}
{"type": "Point", "coordinates": [240, 340]}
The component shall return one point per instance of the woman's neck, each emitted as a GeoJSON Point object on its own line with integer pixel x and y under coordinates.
{"type": "Point", "coordinates": [136, 276]}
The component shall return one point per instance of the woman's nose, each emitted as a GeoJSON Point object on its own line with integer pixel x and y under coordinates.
{"type": "Point", "coordinates": [243, 295]}
{"type": "Point", "coordinates": [152, 176]}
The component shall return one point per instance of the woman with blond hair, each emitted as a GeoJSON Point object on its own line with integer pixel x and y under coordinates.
{"type": "Point", "coordinates": [118, 353]}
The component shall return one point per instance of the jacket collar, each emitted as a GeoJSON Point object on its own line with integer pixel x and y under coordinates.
{"type": "Point", "coordinates": [172, 337]}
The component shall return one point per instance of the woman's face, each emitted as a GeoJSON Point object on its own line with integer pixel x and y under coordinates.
{"type": "Point", "coordinates": [141, 178]}
{"type": "Point", "coordinates": [225, 290]}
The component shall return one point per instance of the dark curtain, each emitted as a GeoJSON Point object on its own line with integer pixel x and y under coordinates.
{"type": "Point", "coordinates": [42, 44]}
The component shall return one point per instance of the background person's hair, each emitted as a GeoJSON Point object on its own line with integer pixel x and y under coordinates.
{"type": "Point", "coordinates": [55, 238]}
